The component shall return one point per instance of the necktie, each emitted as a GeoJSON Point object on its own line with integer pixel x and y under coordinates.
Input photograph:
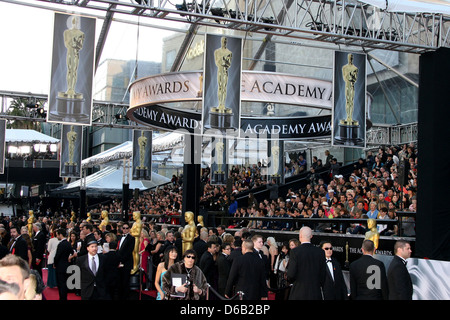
{"type": "Point", "coordinates": [329, 261]}
{"type": "Point", "coordinates": [94, 266]}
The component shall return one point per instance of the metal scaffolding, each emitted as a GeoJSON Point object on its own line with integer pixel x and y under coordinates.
{"type": "Point", "coordinates": [343, 23]}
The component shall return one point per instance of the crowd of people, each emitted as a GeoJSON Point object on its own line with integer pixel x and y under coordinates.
{"type": "Point", "coordinates": [373, 190]}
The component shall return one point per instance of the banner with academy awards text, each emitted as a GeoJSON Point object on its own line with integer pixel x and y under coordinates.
{"type": "Point", "coordinates": [142, 154]}
{"type": "Point", "coordinates": [349, 100]}
{"type": "Point", "coordinates": [72, 71]}
{"type": "Point", "coordinates": [71, 146]}
{"type": "Point", "coordinates": [222, 84]}
{"type": "Point", "coordinates": [2, 145]}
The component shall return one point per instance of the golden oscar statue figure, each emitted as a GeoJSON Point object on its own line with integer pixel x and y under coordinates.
{"type": "Point", "coordinates": [189, 231]}
{"type": "Point", "coordinates": [219, 174]}
{"type": "Point", "coordinates": [221, 115]}
{"type": "Point", "coordinates": [73, 40]}
{"type": "Point", "coordinates": [72, 216]}
{"type": "Point", "coordinates": [89, 217]}
{"type": "Point", "coordinates": [373, 233]}
{"type": "Point", "coordinates": [141, 170]}
{"type": "Point", "coordinates": [135, 231]}
{"type": "Point", "coordinates": [348, 127]}
{"type": "Point", "coordinates": [30, 222]}
{"type": "Point", "coordinates": [350, 75]}
{"type": "Point", "coordinates": [200, 220]}
{"type": "Point", "coordinates": [70, 103]}
{"type": "Point", "coordinates": [71, 165]}
{"type": "Point", "coordinates": [105, 219]}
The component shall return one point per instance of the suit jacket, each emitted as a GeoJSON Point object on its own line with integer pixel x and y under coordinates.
{"type": "Point", "coordinates": [111, 262]}
{"type": "Point", "coordinates": [61, 260]}
{"type": "Point", "coordinates": [306, 271]}
{"type": "Point", "coordinates": [125, 252]}
{"type": "Point", "coordinates": [264, 260]}
{"type": "Point", "coordinates": [247, 274]}
{"type": "Point", "coordinates": [89, 280]}
{"type": "Point", "coordinates": [200, 247]}
{"type": "Point", "coordinates": [39, 245]}
{"type": "Point", "coordinates": [334, 287]}
{"type": "Point", "coordinates": [207, 265]}
{"type": "Point", "coordinates": [359, 278]}
{"type": "Point", "coordinates": [399, 280]}
{"type": "Point", "coordinates": [223, 269]}
{"type": "Point", "coordinates": [20, 248]}
{"type": "Point", "coordinates": [236, 252]}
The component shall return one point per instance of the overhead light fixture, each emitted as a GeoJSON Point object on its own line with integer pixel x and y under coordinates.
{"type": "Point", "coordinates": [32, 103]}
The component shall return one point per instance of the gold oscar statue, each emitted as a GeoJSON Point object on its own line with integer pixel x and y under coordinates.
{"type": "Point", "coordinates": [275, 161]}
{"type": "Point", "coordinates": [73, 41]}
{"type": "Point", "coordinates": [89, 217]}
{"type": "Point", "coordinates": [135, 231]}
{"type": "Point", "coordinates": [72, 216]}
{"type": "Point", "coordinates": [373, 233]}
{"type": "Point", "coordinates": [70, 166]}
{"type": "Point", "coordinates": [189, 230]}
{"type": "Point", "coordinates": [105, 220]}
{"type": "Point", "coordinates": [221, 116]}
{"type": "Point", "coordinates": [200, 91]}
{"type": "Point", "coordinates": [30, 222]}
{"type": "Point", "coordinates": [200, 221]}
{"type": "Point", "coordinates": [141, 170]}
{"type": "Point", "coordinates": [222, 58]}
{"type": "Point", "coordinates": [350, 75]}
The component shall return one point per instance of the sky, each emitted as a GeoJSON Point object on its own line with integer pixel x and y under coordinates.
{"type": "Point", "coordinates": [26, 45]}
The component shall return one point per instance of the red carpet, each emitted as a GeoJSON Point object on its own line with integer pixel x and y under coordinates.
{"type": "Point", "coordinates": [52, 293]}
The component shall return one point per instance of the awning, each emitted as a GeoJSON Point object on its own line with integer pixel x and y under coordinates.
{"type": "Point", "coordinates": [27, 136]}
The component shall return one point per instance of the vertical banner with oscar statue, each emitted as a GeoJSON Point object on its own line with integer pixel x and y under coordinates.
{"type": "Point", "coordinates": [222, 84]}
{"type": "Point", "coordinates": [71, 146]}
{"type": "Point", "coordinates": [2, 145]}
{"type": "Point", "coordinates": [72, 72]}
{"type": "Point", "coordinates": [275, 167]}
{"type": "Point", "coordinates": [349, 100]}
{"type": "Point", "coordinates": [142, 154]}
{"type": "Point", "coordinates": [219, 167]}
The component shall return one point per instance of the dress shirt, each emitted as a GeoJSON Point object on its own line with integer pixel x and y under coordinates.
{"type": "Point", "coordinates": [330, 267]}
{"type": "Point", "coordinates": [91, 259]}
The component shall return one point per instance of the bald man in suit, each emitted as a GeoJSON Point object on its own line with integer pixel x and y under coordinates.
{"type": "Point", "coordinates": [307, 269]}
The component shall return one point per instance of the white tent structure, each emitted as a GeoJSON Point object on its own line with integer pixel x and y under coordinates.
{"type": "Point", "coordinates": [27, 136]}
{"type": "Point", "coordinates": [110, 178]}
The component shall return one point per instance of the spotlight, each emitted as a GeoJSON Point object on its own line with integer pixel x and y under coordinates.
{"type": "Point", "coordinates": [41, 112]}
{"type": "Point", "coordinates": [120, 116]}
{"type": "Point", "coordinates": [32, 104]}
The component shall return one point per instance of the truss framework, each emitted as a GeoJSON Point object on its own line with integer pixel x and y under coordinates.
{"type": "Point", "coordinates": [343, 23]}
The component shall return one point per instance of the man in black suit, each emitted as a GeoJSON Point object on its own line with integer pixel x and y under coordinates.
{"type": "Point", "coordinates": [334, 287]}
{"type": "Point", "coordinates": [247, 274]}
{"type": "Point", "coordinates": [18, 245]}
{"type": "Point", "coordinates": [307, 269]}
{"type": "Point", "coordinates": [258, 243]}
{"type": "Point", "coordinates": [39, 246]}
{"type": "Point", "coordinates": [61, 263]}
{"type": "Point", "coordinates": [200, 246]}
{"type": "Point", "coordinates": [237, 250]}
{"type": "Point", "coordinates": [223, 267]}
{"type": "Point", "coordinates": [125, 253]}
{"type": "Point", "coordinates": [112, 276]}
{"type": "Point", "coordinates": [368, 279]}
{"type": "Point", "coordinates": [207, 263]}
{"type": "Point", "coordinates": [399, 280]}
{"type": "Point", "coordinates": [92, 271]}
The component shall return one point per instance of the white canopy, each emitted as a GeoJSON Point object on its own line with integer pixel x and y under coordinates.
{"type": "Point", "coordinates": [164, 141]}
{"type": "Point", "coordinates": [110, 180]}
{"type": "Point", "coordinates": [28, 136]}
{"type": "Point", "coordinates": [412, 6]}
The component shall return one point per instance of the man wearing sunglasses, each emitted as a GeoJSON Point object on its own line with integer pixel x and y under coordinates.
{"type": "Point", "coordinates": [334, 287]}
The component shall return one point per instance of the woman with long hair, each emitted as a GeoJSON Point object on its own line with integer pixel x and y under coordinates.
{"type": "Point", "coordinates": [170, 257]}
